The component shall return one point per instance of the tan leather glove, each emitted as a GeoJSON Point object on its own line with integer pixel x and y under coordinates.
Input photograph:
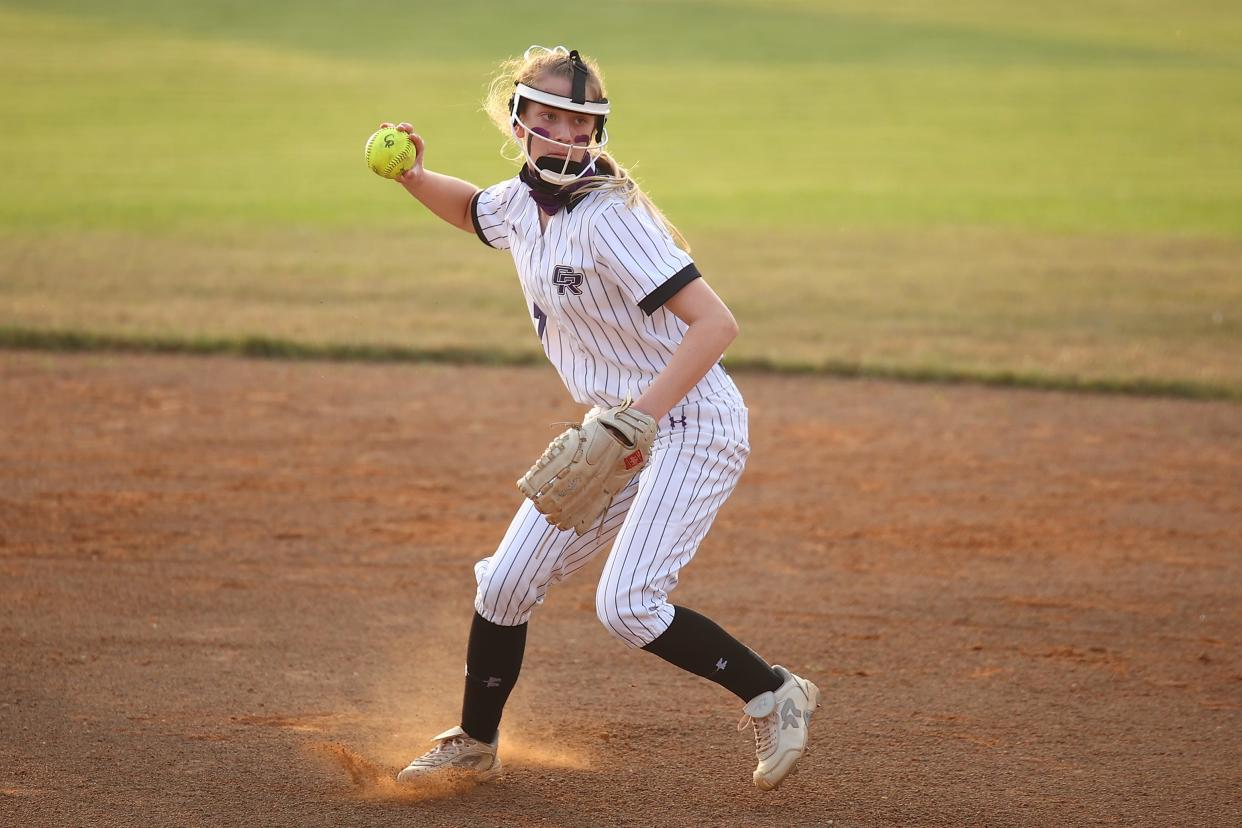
{"type": "Point", "coordinates": [584, 468]}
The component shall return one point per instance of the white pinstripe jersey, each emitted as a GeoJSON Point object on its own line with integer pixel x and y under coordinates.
{"type": "Point", "coordinates": [595, 280]}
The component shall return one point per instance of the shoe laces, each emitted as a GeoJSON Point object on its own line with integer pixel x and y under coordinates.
{"type": "Point", "coordinates": [447, 749]}
{"type": "Point", "coordinates": [765, 732]}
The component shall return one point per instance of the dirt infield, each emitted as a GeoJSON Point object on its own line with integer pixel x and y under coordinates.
{"type": "Point", "coordinates": [237, 593]}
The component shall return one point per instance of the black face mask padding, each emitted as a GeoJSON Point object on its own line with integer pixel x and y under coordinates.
{"type": "Point", "coordinates": [557, 166]}
{"type": "Point", "coordinates": [578, 91]}
{"type": "Point", "coordinates": [578, 95]}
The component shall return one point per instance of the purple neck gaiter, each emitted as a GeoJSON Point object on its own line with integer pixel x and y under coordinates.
{"type": "Point", "coordinates": [550, 197]}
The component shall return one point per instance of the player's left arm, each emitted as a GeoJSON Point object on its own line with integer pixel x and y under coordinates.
{"type": "Point", "coordinates": [712, 328]}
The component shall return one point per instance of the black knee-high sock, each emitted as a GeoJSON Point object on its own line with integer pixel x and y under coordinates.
{"type": "Point", "coordinates": [698, 645]}
{"type": "Point", "coordinates": [493, 661]}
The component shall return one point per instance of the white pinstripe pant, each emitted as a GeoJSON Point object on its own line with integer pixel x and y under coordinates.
{"type": "Point", "coordinates": [654, 528]}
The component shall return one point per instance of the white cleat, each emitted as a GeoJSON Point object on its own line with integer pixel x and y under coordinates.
{"type": "Point", "coordinates": [781, 719]}
{"type": "Point", "coordinates": [455, 755]}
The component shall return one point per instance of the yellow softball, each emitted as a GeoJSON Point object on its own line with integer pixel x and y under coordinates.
{"type": "Point", "coordinates": [390, 153]}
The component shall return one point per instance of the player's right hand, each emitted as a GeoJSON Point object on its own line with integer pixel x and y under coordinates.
{"type": "Point", "coordinates": [414, 175]}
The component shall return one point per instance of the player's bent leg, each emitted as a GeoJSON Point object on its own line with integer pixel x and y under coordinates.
{"type": "Point", "coordinates": [690, 477]}
{"type": "Point", "coordinates": [694, 468]}
{"type": "Point", "coordinates": [456, 755]}
{"type": "Point", "coordinates": [511, 583]}
{"type": "Point", "coordinates": [509, 580]}
{"type": "Point", "coordinates": [781, 719]}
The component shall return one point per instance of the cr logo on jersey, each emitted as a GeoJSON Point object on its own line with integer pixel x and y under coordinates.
{"type": "Point", "coordinates": [566, 278]}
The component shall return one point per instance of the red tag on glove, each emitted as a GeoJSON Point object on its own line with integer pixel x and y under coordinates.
{"type": "Point", "coordinates": [632, 460]}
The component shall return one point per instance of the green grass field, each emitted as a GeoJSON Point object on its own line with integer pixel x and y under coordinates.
{"type": "Point", "coordinates": [955, 190]}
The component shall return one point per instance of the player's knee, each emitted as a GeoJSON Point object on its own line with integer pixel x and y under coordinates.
{"type": "Point", "coordinates": [631, 622]}
{"type": "Point", "coordinates": [498, 604]}
{"type": "Point", "coordinates": [485, 603]}
{"type": "Point", "coordinates": [622, 625]}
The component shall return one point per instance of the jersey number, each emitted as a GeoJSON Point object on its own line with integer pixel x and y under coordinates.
{"type": "Point", "coordinates": [541, 319]}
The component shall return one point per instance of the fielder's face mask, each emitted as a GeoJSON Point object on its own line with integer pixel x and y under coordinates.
{"type": "Point", "coordinates": [553, 168]}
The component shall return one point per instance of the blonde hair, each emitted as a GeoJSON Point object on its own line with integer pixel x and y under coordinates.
{"type": "Point", "coordinates": [538, 63]}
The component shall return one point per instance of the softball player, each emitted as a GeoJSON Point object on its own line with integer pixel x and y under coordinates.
{"type": "Point", "coordinates": [621, 311]}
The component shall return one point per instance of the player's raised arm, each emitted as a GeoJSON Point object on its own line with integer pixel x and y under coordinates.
{"type": "Point", "coordinates": [446, 196]}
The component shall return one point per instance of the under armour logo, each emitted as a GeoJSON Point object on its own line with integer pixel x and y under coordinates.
{"type": "Point", "coordinates": [567, 278]}
{"type": "Point", "coordinates": [673, 422]}
{"type": "Point", "coordinates": [493, 682]}
{"type": "Point", "coordinates": [790, 714]}
{"type": "Point", "coordinates": [720, 665]}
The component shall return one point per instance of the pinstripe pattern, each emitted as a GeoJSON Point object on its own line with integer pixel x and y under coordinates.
{"type": "Point", "coordinates": [488, 210]}
{"type": "Point", "coordinates": [608, 337]}
{"type": "Point", "coordinates": [603, 345]}
{"type": "Point", "coordinates": [654, 528]}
